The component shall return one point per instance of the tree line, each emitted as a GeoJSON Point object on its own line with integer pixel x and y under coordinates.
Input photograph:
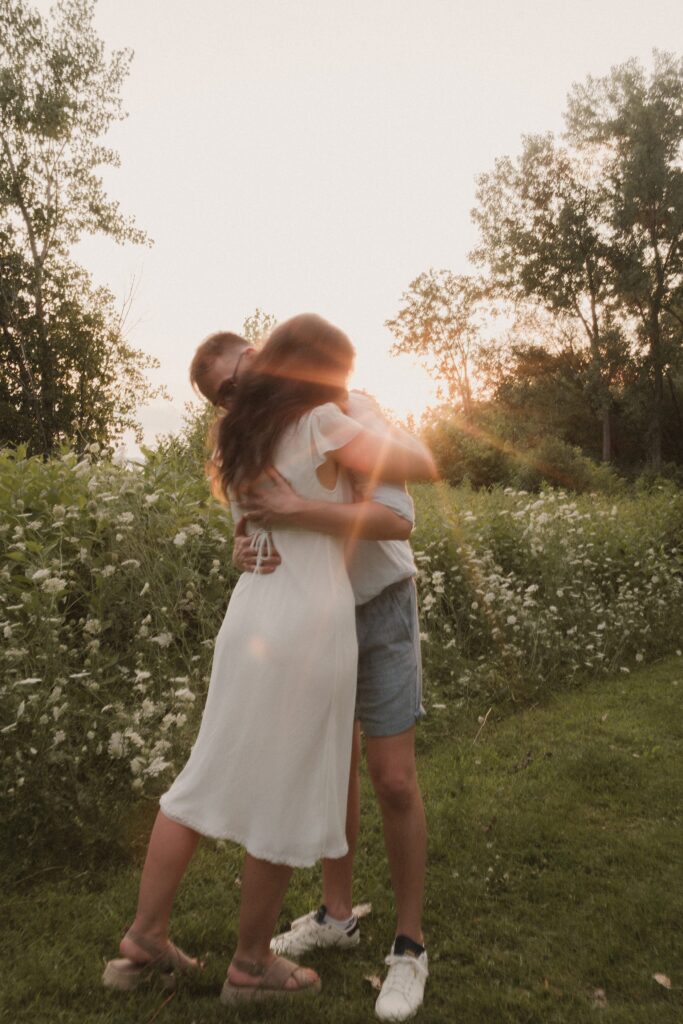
{"type": "Point", "coordinates": [68, 370]}
{"type": "Point", "coordinates": [580, 255]}
{"type": "Point", "coordinates": [567, 332]}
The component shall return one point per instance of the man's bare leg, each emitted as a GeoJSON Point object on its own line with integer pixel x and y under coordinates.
{"type": "Point", "coordinates": [338, 873]}
{"type": "Point", "coordinates": [391, 763]}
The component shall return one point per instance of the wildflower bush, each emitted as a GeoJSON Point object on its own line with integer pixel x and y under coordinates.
{"type": "Point", "coordinates": [114, 580]}
{"type": "Point", "coordinates": [521, 592]}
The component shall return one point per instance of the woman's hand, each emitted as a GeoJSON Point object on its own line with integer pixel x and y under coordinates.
{"type": "Point", "coordinates": [244, 556]}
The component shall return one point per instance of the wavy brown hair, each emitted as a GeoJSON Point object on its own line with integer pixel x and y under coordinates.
{"type": "Point", "coordinates": [304, 363]}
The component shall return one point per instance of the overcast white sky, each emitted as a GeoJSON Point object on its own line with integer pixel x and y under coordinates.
{"type": "Point", "coordinates": [319, 154]}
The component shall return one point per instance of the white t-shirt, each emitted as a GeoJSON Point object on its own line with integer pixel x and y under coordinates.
{"type": "Point", "coordinates": [376, 564]}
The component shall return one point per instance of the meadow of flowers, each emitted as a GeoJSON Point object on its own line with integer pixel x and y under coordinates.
{"type": "Point", "coordinates": [114, 581]}
{"type": "Point", "coordinates": [521, 592]}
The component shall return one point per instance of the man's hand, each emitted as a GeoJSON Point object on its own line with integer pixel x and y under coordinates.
{"type": "Point", "coordinates": [272, 502]}
{"type": "Point", "coordinates": [244, 556]}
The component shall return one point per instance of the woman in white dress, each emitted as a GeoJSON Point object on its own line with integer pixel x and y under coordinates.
{"type": "Point", "coordinates": [270, 765]}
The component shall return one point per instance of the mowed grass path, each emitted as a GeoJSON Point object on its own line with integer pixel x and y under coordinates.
{"type": "Point", "coordinates": [556, 870]}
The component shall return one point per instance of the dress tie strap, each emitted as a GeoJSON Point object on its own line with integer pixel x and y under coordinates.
{"type": "Point", "coordinates": [262, 544]}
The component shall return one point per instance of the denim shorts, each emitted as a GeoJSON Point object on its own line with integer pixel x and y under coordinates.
{"type": "Point", "coordinates": [389, 692]}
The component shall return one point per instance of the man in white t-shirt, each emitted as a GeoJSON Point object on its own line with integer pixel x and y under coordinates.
{"type": "Point", "coordinates": [388, 702]}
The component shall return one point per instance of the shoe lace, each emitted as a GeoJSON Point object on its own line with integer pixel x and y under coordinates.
{"type": "Point", "coordinates": [405, 969]}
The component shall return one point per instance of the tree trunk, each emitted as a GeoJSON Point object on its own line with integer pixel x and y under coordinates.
{"type": "Point", "coordinates": [655, 428]}
{"type": "Point", "coordinates": [606, 435]}
{"type": "Point", "coordinates": [677, 410]}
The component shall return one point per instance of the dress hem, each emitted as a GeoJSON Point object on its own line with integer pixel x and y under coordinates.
{"type": "Point", "coordinates": [259, 853]}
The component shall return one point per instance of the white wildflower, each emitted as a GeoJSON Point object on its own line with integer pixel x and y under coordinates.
{"type": "Point", "coordinates": [144, 590]}
{"type": "Point", "coordinates": [180, 538]}
{"type": "Point", "coordinates": [157, 766]}
{"type": "Point", "coordinates": [163, 639]}
{"type": "Point", "coordinates": [92, 626]}
{"type": "Point", "coordinates": [108, 570]}
{"type": "Point", "coordinates": [41, 574]}
{"type": "Point", "coordinates": [58, 737]}
{"type": "Point", "coordinates": [116, 745]}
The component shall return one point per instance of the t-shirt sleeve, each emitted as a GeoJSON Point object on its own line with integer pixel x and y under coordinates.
{"type": "Point", "coordinates": [330, 430]}
{"type": "Point", "coordinates": [397, 499]}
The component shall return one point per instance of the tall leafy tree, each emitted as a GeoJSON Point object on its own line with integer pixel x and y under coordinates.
{"type": "Point", "coordinates": [62, 347]}
{"type": "Point", "coordinates": [632, 123]}
{"type": "Point", "coordinates": [439, 322]}
{"type": "Point", "coordinates": [541, 221]}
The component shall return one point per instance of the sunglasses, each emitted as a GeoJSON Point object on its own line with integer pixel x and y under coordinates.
{"type": "Point", "coordinates": [227, 387]}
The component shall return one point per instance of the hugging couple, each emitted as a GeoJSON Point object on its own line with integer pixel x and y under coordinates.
{"type": "Point", "coordinates": [320, 640]}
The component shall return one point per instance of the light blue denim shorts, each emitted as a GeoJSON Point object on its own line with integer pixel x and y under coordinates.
{"type": "Point", "coordinates": [389, 692]}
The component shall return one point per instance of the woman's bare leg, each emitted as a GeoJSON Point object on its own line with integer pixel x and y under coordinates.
{"type": "Point", "coordinates": [170, 850]}
{"type": "Point", "coordinates": [263, 889]}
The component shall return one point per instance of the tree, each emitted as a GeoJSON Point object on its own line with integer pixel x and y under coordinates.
{"type": "Point", "coordinates": [258, 326]}
{"type": "Point", "coordinates": [541, 221]}
{"type": "Point", "coordinates": [439, 322]}
{"type": "Point", "coordinates": [61, 343]}
{"type": "Point", "coordinates": [634, 125]}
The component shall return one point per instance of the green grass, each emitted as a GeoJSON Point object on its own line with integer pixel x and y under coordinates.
{"type": "Point", "coordinates": [555, 870]}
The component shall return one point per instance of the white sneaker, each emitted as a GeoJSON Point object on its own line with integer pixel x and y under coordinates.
{"type": "Point", "coordinates": [312, 931]}
{"type": "Point", "coordinates": [403, 989]}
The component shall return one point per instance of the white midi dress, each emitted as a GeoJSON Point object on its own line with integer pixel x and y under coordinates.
{"type": "Point", "coordinates": [270, 765]}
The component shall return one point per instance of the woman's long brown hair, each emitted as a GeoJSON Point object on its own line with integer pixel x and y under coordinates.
{"type": "Point", "coordinates": [303, 364]}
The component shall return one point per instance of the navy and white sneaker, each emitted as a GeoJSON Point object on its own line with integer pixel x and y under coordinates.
{"type": "Point", "coordinates": [314, 931]}
{"type": "Point", "coordinates": [403, 988]}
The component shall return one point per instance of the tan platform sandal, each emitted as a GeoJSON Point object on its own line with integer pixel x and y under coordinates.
{"type": "Point", "coordinates": [166, 964]}
{"type": "Point", "coordinates": [273, 979]}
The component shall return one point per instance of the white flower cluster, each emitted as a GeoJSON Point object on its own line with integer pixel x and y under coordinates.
{"type": "Point", "coordinates": [530, 592]}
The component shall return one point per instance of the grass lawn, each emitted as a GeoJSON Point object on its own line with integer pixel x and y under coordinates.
{"type": "Point", "coordinates": [556, 870]}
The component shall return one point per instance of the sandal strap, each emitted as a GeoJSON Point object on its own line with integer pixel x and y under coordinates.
{"type": "Point", "coordinates": [170, 957]}
{"type": "Point", "coordinates": [251, 967]}
{"type": "Point", "coordinates": [273, 976]}
{"type": "Point", "coordinates": [145, 944]}
{"type": "Point", "coordinates": [280, 971]}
